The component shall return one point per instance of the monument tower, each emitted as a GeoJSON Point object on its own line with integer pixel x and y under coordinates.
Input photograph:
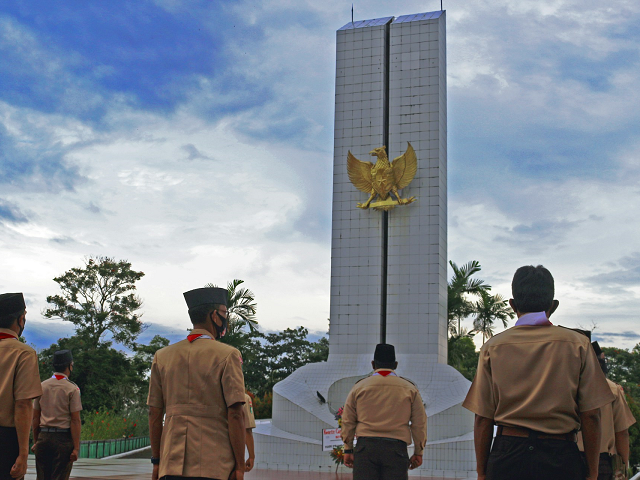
{"type": "Point", "coordinates": [388, 268]}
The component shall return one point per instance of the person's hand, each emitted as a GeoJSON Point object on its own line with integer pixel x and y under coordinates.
{"type": "Point", "coordinates": [482, 477]}
{"type": "Point", "coordinates": [33, 448]}
{"type": "Point", "coordinates": [74, 455]}
{"type": "Point", "coordinates": [154, 474]}
{"type": "Point", "coordinates": [249, 464]}
{"type": "Point", "coordinates": [415, 461]}
{"type": "Point", "coordinates": [237, 475]}
{"type": "Point", "coordinates": [19, 468]}
{"type": "Point", "coordinates": [348, 460]}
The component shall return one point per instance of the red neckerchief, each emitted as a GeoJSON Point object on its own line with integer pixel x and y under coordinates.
{"type": "Point", "coordinates": [195, 336]}
{"type": "Point", "coordinates": [6, 335]}
{"type": "Point", "coordinates": [59, 377]}
{"type": "Point", "coordinates": [384, 373]}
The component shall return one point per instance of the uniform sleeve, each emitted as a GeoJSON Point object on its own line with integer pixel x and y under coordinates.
{"type": "Point", "coordinates": [233, 380]}
{"type": "Point", "coordinates": [249, 419]}
{"type": "Point", "coordinates": [622, 416]}
{"type": "Point", "coordinates": [26, 384]}
{"type": "Point", "coordinates": [593, 389]}
{"type": "Point", "coordinates": [349, 420]}
{"type": "Point", "coordinates": [75, 405]}
{"type": "Point", "coordinates": [480, 398]}
{"type": "Point", "coordinates": [418, 424]}
{"type": "Point", "coordinates": [155, 398]}
{"type": "Point", "coordinates": [36, 404]}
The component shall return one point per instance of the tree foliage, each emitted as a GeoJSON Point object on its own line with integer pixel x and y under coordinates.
{"type": "Point", "coordinates": [463, 355]}
{"type": "Point", "coordinates": [99, 298]}
{"type": "Point", "coordinates": [460, 287]}
{"type": "Point", "coordinates": [489, 309]}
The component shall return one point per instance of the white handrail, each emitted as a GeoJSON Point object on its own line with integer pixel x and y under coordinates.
{"type": "Point", "coordinates": [636, 476]}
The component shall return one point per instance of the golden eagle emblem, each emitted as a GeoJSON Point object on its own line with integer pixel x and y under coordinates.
{"type": "Point", "coordinates": [384, 177]}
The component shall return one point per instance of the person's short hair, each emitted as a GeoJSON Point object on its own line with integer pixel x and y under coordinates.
{"type": "Point", "coordinates": [61, 367]}
{"type": "Point", "coordinates": [199, 314]}
{"type": "Point", "coordinates": [389, 365]}
{"type": "Point", "coordinates": [7, 320]}
{"type": "Point", "coordinates": [532, 289]}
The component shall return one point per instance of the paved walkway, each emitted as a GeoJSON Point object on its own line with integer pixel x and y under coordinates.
{"type": "Point", "coordinates": [140, 469]}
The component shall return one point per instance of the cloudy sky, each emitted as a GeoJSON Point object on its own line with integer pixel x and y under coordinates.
{"type": "Point", "coordinates": [194, 139]}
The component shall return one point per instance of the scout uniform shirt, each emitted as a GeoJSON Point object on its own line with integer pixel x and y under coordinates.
{"type": "Point", "coordinates": [382, 405]}
{"type": "Point", "coordinates": [538, 377]}
{"type": "Point", "coordinates": [249, 418]}
{"type": "Point", "coordinates": [614, 417]}
{"type": "Point", "coordinates": [195, 382]}
{"type": "Point", "coordinates": [60, 397]}
{"type": "Point", "coordinates": [19, 376]}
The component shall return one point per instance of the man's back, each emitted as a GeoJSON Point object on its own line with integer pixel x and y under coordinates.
{"type": "Point", "coordinates": [195, 382]}
{"type": "Point", "coordinates": [384, 406]}
{"type": "Point", "coordinates": [19, 377]}
{"type": "Point", "coordinates": [537, 377]}
{"type": "Point", "coordinates": [59, 398]}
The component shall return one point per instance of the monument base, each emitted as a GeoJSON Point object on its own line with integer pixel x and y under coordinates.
{"type": "Point", "coordinates": [305, 403]}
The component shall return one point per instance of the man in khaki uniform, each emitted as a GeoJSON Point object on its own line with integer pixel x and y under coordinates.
{"type": "Point", "coordinates": [56, 421]}
{"type": "Point", "coordinates": [249, 425]}
{"type": "Point", "coordinates": [198, 383]}
{"type": "Point", "coordinates": [19, 385]}
{"type": "Point", "coordinates": [540, 384]}
{"type": "Point", "coordinates": [616, 418]}
{"type": "Point", "coordinates": [385, 412]}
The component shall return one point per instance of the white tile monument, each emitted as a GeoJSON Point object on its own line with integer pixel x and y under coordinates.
{"type": "Point", "coordinates": [390, 89]}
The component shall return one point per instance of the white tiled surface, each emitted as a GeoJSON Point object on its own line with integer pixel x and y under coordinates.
{"type": "Point", "coordinates": [356, 260]}
{"type": "Point", "coordinates": [417, 284]}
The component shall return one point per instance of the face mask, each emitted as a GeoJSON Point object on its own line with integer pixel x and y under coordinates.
{"type": "Point", "coordinates": [24, 323]}
{"type": "Point", "coordinates": [221, 330]}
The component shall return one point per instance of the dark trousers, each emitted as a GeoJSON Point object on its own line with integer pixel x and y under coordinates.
{"type": "Point", "coordinates": [605, 467]}
{"type": "Point", "coordinates": [380, 459]}
{"type": "Point", "coordinates": [516, 458]}
{"type": "Point", "coordinates": [53, 452]}
{"type": "Point", "coordinates": [9, 450]}
{"type": "Point", "coordinates": [176, 477]}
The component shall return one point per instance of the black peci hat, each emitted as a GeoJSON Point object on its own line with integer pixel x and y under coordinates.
{"type": "Point", "coordinates": [206, 296]}
{"type": "Point", "coordinates": [11, 303]}
{"type": "Point", "coordinates": [596, 348]}
{"type": "Point", "coordinates": [385, 353]}
{"type": "Point", "coordinates": [62, 358]}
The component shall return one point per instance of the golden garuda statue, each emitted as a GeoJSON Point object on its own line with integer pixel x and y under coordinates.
{"type": "Point", "coordinates": [384, 177]}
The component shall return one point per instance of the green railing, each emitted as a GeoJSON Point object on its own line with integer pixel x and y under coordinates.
{"type": "Point", "coordinates": [106, 448]}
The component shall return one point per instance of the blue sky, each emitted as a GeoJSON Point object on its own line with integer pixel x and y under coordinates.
{"type": "Point", "coordinates": [195, 139]}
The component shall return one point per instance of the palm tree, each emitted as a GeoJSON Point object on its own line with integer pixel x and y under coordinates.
{"type": "Point", "coordinates": [241, 308]}
{"type": "Point", "coordinates": [489, 309]}
{"type": "Point", "coordinates": [459, 286]}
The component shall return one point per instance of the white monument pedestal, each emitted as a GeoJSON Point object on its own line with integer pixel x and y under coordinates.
{"type": "Point", "coordinates": [390, 90]}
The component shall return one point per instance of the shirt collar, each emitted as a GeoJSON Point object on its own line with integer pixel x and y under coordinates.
{"type": "Point", "coordinates": [200, 331]}
{"type": "Point", "coordinates": [384, 372]}
{"type": "Point", "coordinates": [58, 374]}
{"type": "Point", "coordinates": [8, 331]}
{"type": "Point", "coordinates": [533, 319]}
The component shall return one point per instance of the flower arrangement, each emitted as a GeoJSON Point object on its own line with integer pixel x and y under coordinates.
{"type": "Point", "coordinates": [338, 416]}
{"type": "Point", "coordinates": [337, 455]}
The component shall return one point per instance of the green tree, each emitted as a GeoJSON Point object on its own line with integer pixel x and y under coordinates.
{"type": "Point", "coordinates": [99, 298]}
{"type": "Point", "coordinates": [463, 355]}
{"type": "Point", "coordinates": [460, 286]}
{"type": "Point", "coordinates": [489, 309]}
{"type": "Point", "coordinates": [624, 369]}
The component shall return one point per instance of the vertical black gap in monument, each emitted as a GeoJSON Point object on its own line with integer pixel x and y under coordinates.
{"type": "Point", "coordinates": [385, 214]}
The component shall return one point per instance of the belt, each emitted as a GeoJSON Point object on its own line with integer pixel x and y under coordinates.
{"type": "Point", "coordinates": [54, 430]}
{"type": "Point", "coordinates": [387, 439]}
{"type": "Point", "coordinates": [526, 433]}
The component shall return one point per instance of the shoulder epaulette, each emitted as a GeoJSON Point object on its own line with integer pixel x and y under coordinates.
{"type": "Point", "coordinates": [408, 381]}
